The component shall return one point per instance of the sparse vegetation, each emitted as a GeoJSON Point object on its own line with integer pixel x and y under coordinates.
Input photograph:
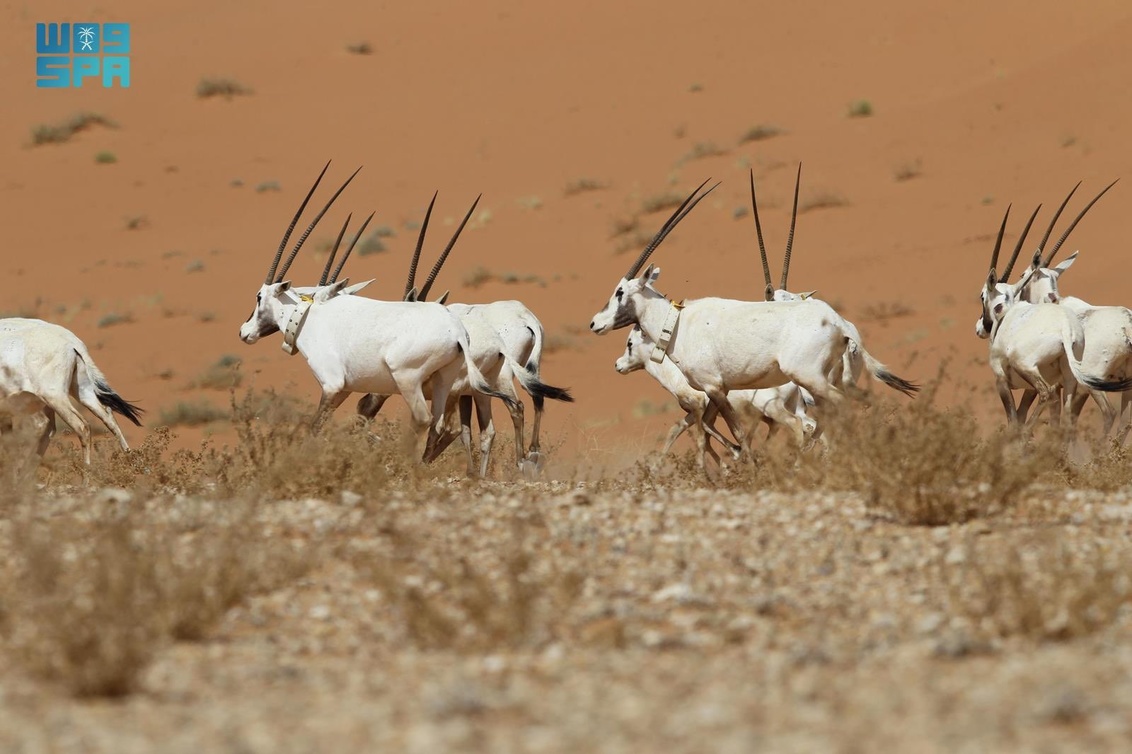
{"type": "Point", "coordinates": [60, 133]}
{"type": "Point", "coordinates": [885, 310]}
{"type": "Point", "coordinates": [761, 132]}
{"type": "Point", "coordinates": [196, 265]}
{"type": "Point", "coordinates": [583, 185]}
{"type": "Point", "coordinates": [908, 170]}
{"type": "Point", "coordinates": [268, 186]}
{"type": "Point", "coordinates": [223, 375]}
{"type": "Point", "coordinates": [115, 318]}
{"type": "Point", "coordinates": [359, 48]}
{"type": "Point", "coordinates": [221, 87]}
{"type": "Point", "coordinates": [821, 199]}
{"type": "Point", "coordinates": [704, 149]}
{"type": "Point", "coordinates": [191, 414]}
{"type": "Point", "coordinates": [137, 222]}
{"type": "Point", "coordinates": [105, 157]}
{"type": "Point", "coordinates": [861, 108]}
{"type": "Point", "coordinates": [661, 202]}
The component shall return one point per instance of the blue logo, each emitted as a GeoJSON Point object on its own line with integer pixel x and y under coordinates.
{"type": "Point", "coordinates": [66, 55]}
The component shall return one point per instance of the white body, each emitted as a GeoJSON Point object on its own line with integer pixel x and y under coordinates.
{"type": "Point", "coordinates": [354, 344]}
{"type": "Point", "coordinates": [43, 367]}
{"type": "Point", "coordinates": [783, 405]}
{"type": "Point", "coordinates": [720, 345]}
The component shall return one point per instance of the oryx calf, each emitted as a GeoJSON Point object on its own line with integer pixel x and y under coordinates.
{"type": "Point", "coordinates": [43, 367]}
{"type": "Point", "coordinates": [782, 406]}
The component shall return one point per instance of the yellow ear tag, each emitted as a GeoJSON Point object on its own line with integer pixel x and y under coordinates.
{"type": "Point", "coordinates": [679, 304]}
{"type": "Point", "coordinates": [306, 297]}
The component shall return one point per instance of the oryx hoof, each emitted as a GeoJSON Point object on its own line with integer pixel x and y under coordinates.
{"type": "Point", "coordinates": [530, 469]}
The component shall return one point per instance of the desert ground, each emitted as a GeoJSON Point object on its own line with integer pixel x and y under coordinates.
{"type": "Point", "coordinates": [269, 592]}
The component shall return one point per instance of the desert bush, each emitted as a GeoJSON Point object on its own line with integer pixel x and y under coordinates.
{"type": "Point", "coordinates": [1047, 586]}
{"type": "Point", "coordinates": [91, 598]}
{"type": "Point", "coordinates": [221, 87]}
{"type": "Point", "coordinates": [447, 601]}
{"type": "Point", "coordinates": [222, 375]}
{"type": "Point", "coordinates": [59, 133]}
{"type": "Point", "coordinates": [760, 132]}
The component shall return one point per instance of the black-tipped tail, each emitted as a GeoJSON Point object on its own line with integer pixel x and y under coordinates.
{"type": "Point", "coordinates": [116, 403]}
{"type": "Point", "coordinates": [540, 389]}
{"type": "Point", "coordinates": [1108, 386]}
{"type": "Point", "coordinates": [897, 383]}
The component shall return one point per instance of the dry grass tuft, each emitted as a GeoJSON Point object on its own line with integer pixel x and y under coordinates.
{"type": "Point", "coordinates": [221, 87]}
{"type": "Point", "coordinates": [59, 133]}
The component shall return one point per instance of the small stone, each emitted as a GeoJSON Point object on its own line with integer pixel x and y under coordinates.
{"type": "Point", "coordinates": [350, 499]}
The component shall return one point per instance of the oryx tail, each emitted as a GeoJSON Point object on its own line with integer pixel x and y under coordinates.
{"type": "Point", "coordinates": [476, 380]}
{"type": "Point", "coordinates": [89, 375]}
{"type": "Point", "coordinates": [881, 372]}
{"type": "Point", "coordinates": [535, 387]}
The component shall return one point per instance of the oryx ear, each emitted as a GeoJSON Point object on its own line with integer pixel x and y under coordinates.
{"type": "Point", "coordinates": [443, 298]}
{"type": "Point", "coordinates": [1051, 297]}
{"type": "Point", "coordinates": [807, 294]}
{"type": "Point", "coordinates": [1036, 262]}
{"type": "Point", "coordinates": [648, 271]}
{"type": "Point", "coordinates": [1066, 264]}
{"type": "Point", "coordinates": [284, 286]}
{"type": "Point", "coordinates": [352, 289]}
{"type": "Point", "coordinates": [651, 274]}
{"type": "Point", "coordinates": [992, 280]}
{"type": "Point", "coordinates": [412, 294]}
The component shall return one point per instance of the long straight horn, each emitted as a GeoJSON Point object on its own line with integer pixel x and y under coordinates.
{"type": "Point", "coordinates": [1056, 215]}
{"type": "Point", "coordinates": [1018, 247]}
{"type": "Point", "coordinates": [444, 255]}
{"type": "Point", "coordinates": [307, 232]}
{"type": "Point", "coordinates": [291, 227]}
{"type": "Point", "coordinates": [1073, 224]}
{"type": "Point", "coordinates": [334, 251]}
{"type": "Point", "coordinates": [660, 234]}
{"type": "Point", "coordinates": [790, 238]}
{"type": "Point", "coordinates": [420, 244]}
{"type": "Point", "coordinates": [762, 246]}
{"type": "Point", "coordinates": [350, 248]}
{"type": "Point", "coordinates": [998, 241]}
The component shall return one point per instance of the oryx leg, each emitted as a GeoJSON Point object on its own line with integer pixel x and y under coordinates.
{"type": "Point", "coordinates": [487, 432]}
{"type": "Point", "coordinates": [327, 404]}
{"type": "Point", "coordinates": [61, 405]}
{"type": "Point", "coordinates": [1023, 409]}
{"type": "Point", "coordinates": [456, 424]}
{"type": "Point", "coordinates": [369, 405]}
{"type": "Point", "coordinates": [1108, 413]}
{"type": "Point", "coordinates": [46, 432]}
{"type": "Point", "coordinates": [734, 422]}
{"type": "Point", "coordinates": [534, 454]}
{"type": "Point", "coordinates": [678, 429]}
{"type": "Point", "coordinates": [1125, 417]}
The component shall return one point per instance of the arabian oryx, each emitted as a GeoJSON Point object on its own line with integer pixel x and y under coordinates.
{"type": "Point", "coordinates": [1034, 346]}
{"type": "Point", "coordinates": [855, 357]}
{"type": "Point", "coordinates": [42, 367]}
{"type": "Point", "coordinates": [508, 327]}
{"type": "Point", "coordinates": [782, 406]}
{"type": "Point", "coordinates": [1108, 329]}
{"type": "Point", "coordinates": [355, 344]}
{"type": "Point", "coordinates": [722, 345]}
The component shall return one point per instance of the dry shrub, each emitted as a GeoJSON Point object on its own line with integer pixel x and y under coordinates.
{"type": "Point", "coordinates": [1109, 467]}
{"type": "Point", "coordinates": [92, 597]}
{"type": "Point", "coordinates": [1048, 587]}
{"type": "Point", "coordinates": [148, 467]}
{"type": "Point", "coordinates": [448, 602]}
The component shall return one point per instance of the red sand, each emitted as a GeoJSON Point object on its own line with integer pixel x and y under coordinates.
{"type": "Point", "coordinates": [1009, 102]}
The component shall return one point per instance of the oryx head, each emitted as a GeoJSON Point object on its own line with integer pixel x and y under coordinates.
{"type": "Point", "coordinates": [634, 357]}
{"type": "Point", "coordinates": [276, 295]}
{"type": "Point", "coordinates": [620, 310]}
{"type": "Point", "coordinates": [997, 295]}
{"type": "Point", "coordinates": [411, 292]}
{"type": "Point", "coordinates": [770, 292]}
{"type": "Point", "coordinates": [1044, 279]}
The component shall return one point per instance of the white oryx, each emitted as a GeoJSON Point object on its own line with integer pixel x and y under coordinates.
{"type": "Point", "coordinates": [1034, 346]}
{"type": "Point", "coordinates": [506, 327]}
{"type": "Point", "coordinates": [355, 344]}
{"type": "Point", "coordinates": [782, 406]}
{"type": "Point", "coordinates": [42, 367]}
{"type": "Point", "coordinates": [722, 345]}
{"type": "Point", "coordinates": [1108, 329]}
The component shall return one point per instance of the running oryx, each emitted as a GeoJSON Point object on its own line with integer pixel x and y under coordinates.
{"type": "Point", "coordinates": [1108, 329]}
{"type": "Point", "coordinates": [43, 367]}
{"type": "Point", "coordinates": [1035, 346]}
{"type": "Point", "coordinates": [722, 345]}
{"type": "Point", "coordinates": [508, 326]}
{"type": "Point", "coordinates": [782, 406]}
{"type": "Point", "coordinates": [356, 344]}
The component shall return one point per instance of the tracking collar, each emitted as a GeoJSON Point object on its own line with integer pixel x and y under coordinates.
{"type": "Point", "coordinates": [661, 348]}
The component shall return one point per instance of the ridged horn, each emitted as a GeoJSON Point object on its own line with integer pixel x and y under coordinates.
{"type": "Point", "coordinates": [291, 227]}
{"type": "Point", "coordinates": [1018, 247]}
{"type": "Point", "coordinates": [1073, 224]}
{"type": "Point", "coordinates": [444, 255]}
{"type": "Point", "coordinates": [762, 246]}
{"type": "Point", "coordinates": [314, 222]}
{"type": "Point", "coordinates": [334, 251]}
{"type": "Point", "coordinates": [350, 248]}
{"type": "Point", "coordinates": [1056, 215]}
{"type": "Point", "coordinates": [411, 280]}
{"type": "Point", "coordinates": [680, 213]}
{"type": "Point", "coordinates": [998, 241]}
{"type": "Point", "coordinates": [790, 238]}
